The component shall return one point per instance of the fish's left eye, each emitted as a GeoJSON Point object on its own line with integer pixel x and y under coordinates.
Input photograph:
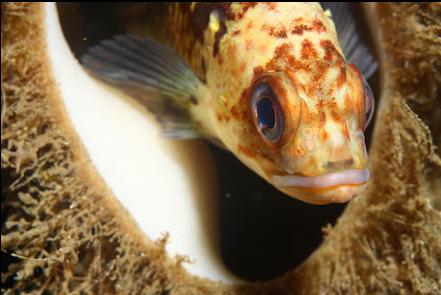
{"type": "Point", "coordinates": [267, 113]}
{"type": "Point", "coordinates": [369, 104]}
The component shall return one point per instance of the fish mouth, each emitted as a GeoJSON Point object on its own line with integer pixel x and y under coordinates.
{"type": "Point", "coordinates": [334, 187]}
{"type": "Point", "coordinates": [346, 177]}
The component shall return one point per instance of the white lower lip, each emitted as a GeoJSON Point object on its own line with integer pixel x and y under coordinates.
{"type": "Point", "coordinates": [347, 177]}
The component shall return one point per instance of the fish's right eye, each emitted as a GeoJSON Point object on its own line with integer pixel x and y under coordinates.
{"type": "Point", "coordinates": [267, 113]}
{"type": "Point", "coordinates": [369, 104]}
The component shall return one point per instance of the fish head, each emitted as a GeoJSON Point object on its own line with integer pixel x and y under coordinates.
{"type": "Point", "coordinates": [302, 110]}
{"type": "Point", "coordinates": [312, 126]}
{"type": "Point", "coordinates": [308, 120]}
{"type": "Point", "coordinates": [325, 158]}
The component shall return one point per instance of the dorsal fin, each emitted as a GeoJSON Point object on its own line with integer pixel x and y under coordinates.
{"type": "Point", "coordinates": [353, 44]}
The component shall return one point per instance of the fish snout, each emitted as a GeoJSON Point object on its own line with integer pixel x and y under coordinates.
{"type": "Point", "coordinates": [334, 187]}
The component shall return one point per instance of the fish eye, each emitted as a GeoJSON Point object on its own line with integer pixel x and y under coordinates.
{"type": "Point", "coordinates": [267, 113]}
{"type": "Point", "coordinates": [369, 104]}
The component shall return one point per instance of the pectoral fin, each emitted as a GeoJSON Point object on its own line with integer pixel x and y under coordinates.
{"type": "Point", "coordinates": [153, 74]}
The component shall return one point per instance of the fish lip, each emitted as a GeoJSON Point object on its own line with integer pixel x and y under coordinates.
{"type": "Point", "coordinates": [346, 177]}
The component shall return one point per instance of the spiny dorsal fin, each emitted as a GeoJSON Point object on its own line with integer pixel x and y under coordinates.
{"type": "Point", "coordinates": [348, 30]}
{"type": "Point", "coordinates": [153, 74]}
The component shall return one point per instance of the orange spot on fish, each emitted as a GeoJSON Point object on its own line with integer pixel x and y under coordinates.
{"type": "Point", "coordinates": [310, 89]}
{"type": "Point", "coordinates": [298, 30]}
{"type": "Point", "coordinates": [320, 71]}
{"type": "Point", "coordinates": [235, 113]}
{"type": "Point", "coordinates": [308, 51]}
{"type": "Point", "coordinates": [246, 151]}
{"type": "Point", "coordinates": [324, 136]}
{"type": "Point", "coordinates": [298, 65]}
{"type": "Point", "coordinates": [331, 52]}
{"type": "Point", "coordinates": [278, 32]}
{"type": "Point", "coordinates": [281, 51]}
{"type": "Point", "coordinates": [318, 26]}
{"type": "Point", "coordinates": [335, 116]}
{"type": "Point", "coordinates": [332, 104]}
{"type": "Point", "coordinates": [258, 71]}
{"type": "Point", "coordinates": [320, 105]}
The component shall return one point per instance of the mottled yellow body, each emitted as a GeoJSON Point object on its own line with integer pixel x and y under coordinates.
{"type": "Point", "coordinates": [294, 46]}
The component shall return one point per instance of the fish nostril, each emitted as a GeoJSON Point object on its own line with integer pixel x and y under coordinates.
{"type": "Point", "coordinates": [339, 164]}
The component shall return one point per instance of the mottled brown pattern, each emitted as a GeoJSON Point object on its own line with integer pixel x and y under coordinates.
{"type": "Point", "coordinates": [278, 32]}
{"type": "Point", "coordinates": [299, 29]}
{"type": "Point", "coordinates": [280, 54]}
{"type": "Point", "coordinates": [330, 51]}
{"type": "Point", "coordinates": [245, 7]}
{"type": "Point", "coordinates": [258, 70]}
{"type": "Point", "coordinates": [237, 114]}
{"type": "Point", "coordinates": [308, 50]}
{"type": "Point", "coordinates": [316, 26]}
